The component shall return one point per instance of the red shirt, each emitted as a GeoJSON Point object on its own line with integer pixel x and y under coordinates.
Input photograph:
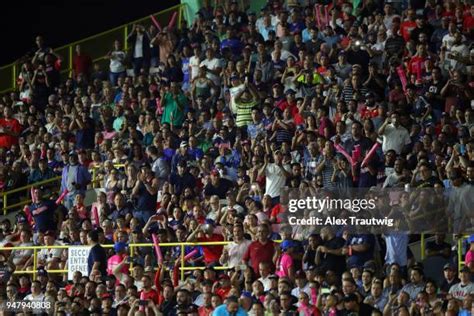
{"type": "Point", "coordinates": [275, 211]}
{"type": "Point", "coordinates": [417, 66]}
{"type": "Point", "coordinates": [212, 253]}
{"type": "Point", "coordinates": [468, 23]}
{"type": "Point", "coordinates": [81, 64]}
{"type": "Point", "coordinates": [365, 112]}
{"type": "Point", "coordinates": [223, 292]}
{"type": "Point", "coordinates": [293, 108]}
{"type": "Point", "coordinates": [258, 252]}
{"type": "Point", "coordinates": [6, 141]}
{"type": "Point", "coordinates": [149, 295]}
{"type": "Point", "coordinates": [205, 311]}
{"type": "Point", "coordinates": [405, 29]}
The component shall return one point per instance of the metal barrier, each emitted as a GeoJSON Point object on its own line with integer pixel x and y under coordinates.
{"type": "Point", "coordinates": [96, 46]}
{"type": "Point", "coordinates": [182, 245]}
{"type": "Point", "coordinates": [131, 253]}
{"type": "Point", "coordinates": [94, 173]}
{"type": "Point", "coordinates": [26, 188]}
{"type": "Point", "coordinates": [460, 251]}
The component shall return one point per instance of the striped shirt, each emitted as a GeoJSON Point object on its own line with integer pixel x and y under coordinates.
{"type": "Point", "coordinates": [326, 173]}
{"type": "Point", "coordinates": [244, 112]}
{"type": "Point", "coordinates": [348, 92]}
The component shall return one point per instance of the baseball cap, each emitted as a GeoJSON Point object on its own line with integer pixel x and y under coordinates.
{"type": "Point", "coordinates": [350, 298]}
{"type": "Point", "coordinates": [449, 266]}
{"type": "Point", "coordinates": [300, 275]}
{"type": "Point", "coordinates": [42, 272]}
{"type": "Point", "coordinates": [183, 144]}
{"type": "Point", "coordinates": [471, 238]}
{"type": "Point", "coordinates": [290, 91]}
{"type": "Point", "coordinates": [120, 246]}
{"type": "Point", "coordinates": [50, 233]}
{"type": "Point", "coordinates": [465, 269]}
{"type": "Point", "coordinates": [285, 244]}
{"type": "Point", "coordinates": [246, 294]}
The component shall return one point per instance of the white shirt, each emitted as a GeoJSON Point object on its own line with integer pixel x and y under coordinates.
{"type": "Point", "coordinates": [448, 41]}
{"type": "Point", "coordinates": [38, 298]}
{"type": "Point", "coordinates": [237, 207]}
{"type": "Point", "coordinates": [212, 64]}
{"type": "Point", "coordinates": [236, 252]}
{"type": "Point", "coordinates": [19, 255]}
{"type": "Point", "coordinates": [47, 255]}
{"type": "Point", "coordinates": [458, 50]}
{"type": "Point", "coordinates": [194, 63]}
{"type": "Point", "coordinates": [275, 179]}
{"type": "Point", "coordinates": [388, 21]}
{"type": "Point", "coordinates": [233, 92]}
{"type": "Point", "coordinates": [296, 291]}
{"type": "Point", "coordinates": [395, 138]}
{"type": "Point", "coordinates": [117, 59]}
{"type": "Point", "coordinates": [459, 291]}
{"type": "Point", "coordinates": [138, 51]}
{"type": "Point", "coordinates": [266, 283]}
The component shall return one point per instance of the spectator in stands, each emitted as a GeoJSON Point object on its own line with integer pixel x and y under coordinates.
{"type": "Point", "coordinates": [74, 179]}
{"type": "Point", "coordinates": [139, 39]}
{"type": "Point", "coordinates": [81, 64]}
{"type": "Point", "coordinates": [186, 148]}
{"type": "Point", "coordinates": [97, 260]}
{"type": "Point", "coordinates": [117, 63]}
{"type": "Point", "coordinates": [10, 129]}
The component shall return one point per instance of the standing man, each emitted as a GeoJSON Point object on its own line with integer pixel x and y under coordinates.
{"type": "Point", "coordinates": [42, 211]}
{"type": "Point", "coordinates": [75, 179]}
{"type": "Point", "coordinates": [81, 64]}
{"type": "Point", "coordinates": [97, 259]}
{"type": "Point", "coordinates": [10, 129]}
{"type": "Point", "coordinates": [260, 250]}
{"type": "Point", "coordinates": [141, 53]}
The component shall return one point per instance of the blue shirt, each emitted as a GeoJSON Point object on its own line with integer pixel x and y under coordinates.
{"type": "Point", "coordinates": [397, 244]}
{"type": "Point", "coordinates": [222, 311]}
{"type": "Point", "coordinates": [44, 221]}
{"type": "Point", "coordinates": [264, 30]}
{"type": "Point", "coordinates": [234, 44]}
{"type": "Point", "coordinates": [306, 35]}
{"type": "Point", "coordinates": [97, 254]}
{"type": "Point", "coordinates": [359, 258]}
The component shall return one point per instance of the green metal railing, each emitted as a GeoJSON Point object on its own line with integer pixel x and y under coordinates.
{"type": "Point", "coordinates": [96, 46]}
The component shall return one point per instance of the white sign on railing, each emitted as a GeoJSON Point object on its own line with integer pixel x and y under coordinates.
{"type": "Point", "coordinates": [77, 260]}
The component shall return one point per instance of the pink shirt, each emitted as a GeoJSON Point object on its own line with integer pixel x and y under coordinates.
{"type": "Point", "coordinates": [284, 265]}
{"type": "Point", "coordinates": [469, 257]}
{"type": "Point", "coordinates": [115, 261]}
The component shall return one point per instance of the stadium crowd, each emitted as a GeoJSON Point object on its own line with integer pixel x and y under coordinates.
{"type": "Point", "coordinates": [195, 131]}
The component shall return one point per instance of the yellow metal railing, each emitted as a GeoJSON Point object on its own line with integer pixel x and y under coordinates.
{"type": "Point", "coordinates": [26, 200]}
{"type": "Point", "coordinates": [94, 172]}
{"type": "Point", "coordinates": [26, 189]}
{"type": "Point", "coordinates": [460, 251]}
{"type": "Point", "coordinates": [182, 245]}
{"type": "Point", "coordinates": [131, 247]}
{"type": "Point", "coordinates": [96, 46]}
